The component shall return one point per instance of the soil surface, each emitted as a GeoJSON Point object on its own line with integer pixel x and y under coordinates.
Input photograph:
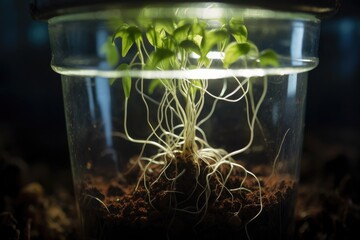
{"type": "Point", "coordinates": [178, 209]}
{"type": "Point", "coordinates": [37, 201]}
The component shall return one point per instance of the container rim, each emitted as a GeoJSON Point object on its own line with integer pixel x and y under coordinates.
{"type": "Point", "coordinates": [46, 9]}
{"type": "Point", "coordinates": [210, 11]}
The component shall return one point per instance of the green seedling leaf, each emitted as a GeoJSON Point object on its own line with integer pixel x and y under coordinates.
{"type": "Point", "coordinates": [268, 57]}
{"type": "Point", "coordinates": [236, 23]}
{"type": "Point", "coordinates": [154, 37]}
{"type": "Point", "coordinates": [110, 51]}
{"type": "Point", "coordinates": [181, 33]}
{"type": "Point", "coordinates": [204, 61]}
{"type": "Point", "coordinates": [198, 39]}
{"type": "Point", "coordinates": [183, 22]}
{"type": "Point", "coordinates": [129, 35]}
{"type": "Point", "coordinates": [159, 55]}
{"type": "Point", "coordinates": [238, 29]}
{"type": "Point", "coordinates": [164, 24]}
{"type": "Point", "coordinates": [241, 35]}
{"type": "Point", "coordinates": [198, 29]}
{"type": "Point", "coordinates": [254, 51]}
{"type": "Point", "coordinates": [120, 31]}
{"type": "Point", "coordinates": [153, 85]}
{"type": "Point", "coordinates": [190, 46]}
{"type": "Point", "coordinates": [211, 38]}
{"type": "Point", "coordinates": [126, 79]}
{"type": "Point", "coordinates": [169, 43]}
{"type": "Point", "coordinates": [135, 33]}
{"type": "Point", "coordinates": [126, 42]}
{"type": "Point", "coordinates": [234, 51]}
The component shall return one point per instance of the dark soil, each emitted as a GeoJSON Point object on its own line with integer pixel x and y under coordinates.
{"type": "Point", "coordinates": [37, 201]}
{"type": "Point", "coordinates": [130, 214]}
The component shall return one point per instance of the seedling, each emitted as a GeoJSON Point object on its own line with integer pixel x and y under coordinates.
{"type": "Point", "coordinates": [176, 136]}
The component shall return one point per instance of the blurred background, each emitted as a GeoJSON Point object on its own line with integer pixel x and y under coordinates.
{"type": "Point", "coordinates": [32, 122]}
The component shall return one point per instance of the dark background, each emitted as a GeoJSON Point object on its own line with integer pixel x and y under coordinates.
{"type": "Point", "coordinates": [31, 113]}
{"type": "Point", "coordinates": [32, 122]}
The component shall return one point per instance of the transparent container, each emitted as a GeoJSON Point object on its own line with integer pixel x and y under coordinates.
{"type": "Point", "coordinates": [185, 121]}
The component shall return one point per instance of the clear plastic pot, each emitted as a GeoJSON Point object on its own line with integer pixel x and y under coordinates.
{"type": "Point", "coordinates": [185, 121]}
